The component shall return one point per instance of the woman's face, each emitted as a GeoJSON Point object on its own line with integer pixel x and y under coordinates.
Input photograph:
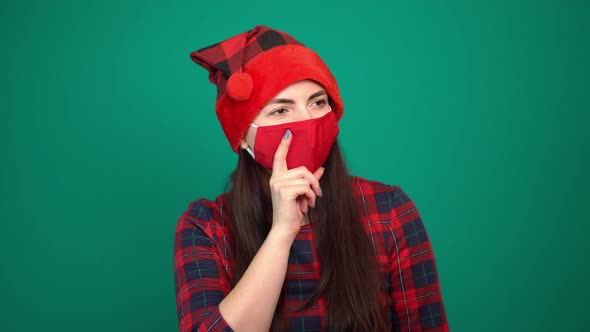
{"type": "Point", "coordinates": [299, 101]}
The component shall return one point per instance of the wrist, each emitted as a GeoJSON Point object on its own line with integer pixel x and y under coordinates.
{"type": "Point", "coordinates": [282, 233]}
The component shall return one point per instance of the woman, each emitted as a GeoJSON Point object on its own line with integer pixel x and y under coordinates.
{"type": "Point", "coordinates": [297, 244]}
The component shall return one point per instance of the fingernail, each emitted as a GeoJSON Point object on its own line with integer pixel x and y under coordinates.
{"type": "Point", "coordinates": [287, 134]}
{"type": "Point", "coordinates": [320, 190]}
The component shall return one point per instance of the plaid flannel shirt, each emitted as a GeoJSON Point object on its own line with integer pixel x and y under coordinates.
{"type": "Point", "coordinates": [203, 264]}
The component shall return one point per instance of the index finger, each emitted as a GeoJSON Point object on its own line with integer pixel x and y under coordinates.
{"type": "Point", "coordinates": [279, 164]}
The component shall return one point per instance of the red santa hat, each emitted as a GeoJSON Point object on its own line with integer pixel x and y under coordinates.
{"type": "Point", "coordinates": [251, 68]}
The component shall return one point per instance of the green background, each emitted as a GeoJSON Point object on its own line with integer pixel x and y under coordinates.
{"type": "Point", "coordinates": [477, 109]}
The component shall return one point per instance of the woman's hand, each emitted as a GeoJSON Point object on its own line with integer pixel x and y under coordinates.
{"type": "Point", "coordinates": [293, 191]}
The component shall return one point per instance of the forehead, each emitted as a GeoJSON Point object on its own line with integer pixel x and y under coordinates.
{"type": "Point", "coordinates": [299, 89]}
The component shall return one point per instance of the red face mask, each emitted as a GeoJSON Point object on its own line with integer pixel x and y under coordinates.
{"type": "Point", "coordinates": [310, 146]}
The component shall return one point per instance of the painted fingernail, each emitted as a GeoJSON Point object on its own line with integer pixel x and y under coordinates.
{"type": "Point", "coordinates": [287, 134]}
{"type": "Point", "coordinates": [320, 191]}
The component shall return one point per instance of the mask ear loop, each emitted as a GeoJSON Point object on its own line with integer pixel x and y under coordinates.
{"type": "Point", "coordinates": [248, 149]}
{"type": "Point", "coordinates": [250, 152]}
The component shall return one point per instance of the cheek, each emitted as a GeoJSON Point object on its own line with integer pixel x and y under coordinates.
{"type": "Point", "coordinates": [250, 135]}
{"type": "Point", "coordinates": [321, 112]}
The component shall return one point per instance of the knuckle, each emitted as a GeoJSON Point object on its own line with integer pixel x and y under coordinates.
{"type": "Point", "coordinates": [276, 186]}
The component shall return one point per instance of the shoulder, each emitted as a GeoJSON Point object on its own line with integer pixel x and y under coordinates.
{"type": "Point", "coordinates": [208, 216]}
{"type": "Point", "coordinates": [389, 215]}
{"type": "Point", "coordinates": [362, 184]}
{"type": "Point", "coordinates": [380, 198]}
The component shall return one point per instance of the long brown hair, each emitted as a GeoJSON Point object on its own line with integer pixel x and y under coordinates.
{"type": "Point", "coordinates": [349, 278]}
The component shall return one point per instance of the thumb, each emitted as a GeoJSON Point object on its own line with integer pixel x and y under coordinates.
{"type": "Point", "coordinates": [318, 174]}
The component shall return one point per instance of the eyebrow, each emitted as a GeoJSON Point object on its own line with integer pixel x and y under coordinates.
{"type": "Point", "coordinates": [291, 101]}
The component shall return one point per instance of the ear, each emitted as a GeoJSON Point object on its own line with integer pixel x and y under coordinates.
{"type": "Point", "coordinates": [243, 144]}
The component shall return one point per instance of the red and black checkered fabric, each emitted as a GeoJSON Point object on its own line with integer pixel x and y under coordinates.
{"type": "Point", "coordinates": [231, 55]}
{"type": "Point", "coordinates": [203, 266]}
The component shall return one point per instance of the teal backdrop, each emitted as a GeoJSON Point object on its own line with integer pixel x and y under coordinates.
{"type": "Point", "coordinates": [477, 109]}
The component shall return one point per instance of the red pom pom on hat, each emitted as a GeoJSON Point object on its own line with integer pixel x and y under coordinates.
{"type": "Point", "coordinates": [239, 86]}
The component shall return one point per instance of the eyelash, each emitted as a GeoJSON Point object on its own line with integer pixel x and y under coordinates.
{"type": "Point", "coordinates": [323, 102]}
{"type": "Point", "coordinates": [277, 112]}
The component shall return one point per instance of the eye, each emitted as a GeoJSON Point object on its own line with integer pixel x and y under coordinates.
{"type": "Point", "coordinates": [320, 103]}
{"type": "Point", "coordinates": [279, 111]}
